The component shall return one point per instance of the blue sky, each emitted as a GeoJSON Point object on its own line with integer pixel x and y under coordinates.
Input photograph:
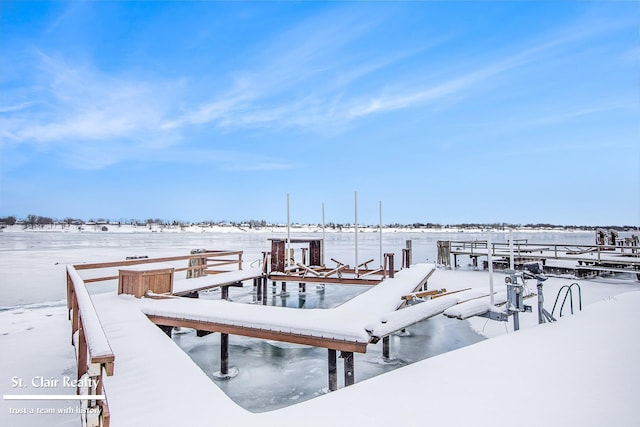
{"type": "Point", "coordinates": [447, 112]}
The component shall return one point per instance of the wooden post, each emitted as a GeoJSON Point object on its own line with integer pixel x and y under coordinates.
{"type": "Point", "coordinates": [69, 295]}
{"type": "Point", "coordinates": [257, 284]}
{"type": "Point", "coordinates": [75, 316]}
{"type": "Point", "coordinates": [315, 252]}
{"type": "Point", "coordinates": [385, 348]}
{"type": "Point", "coordinates": [388, 262]}
{"type": "Point", "coordinates": [302, 287]}
{"type": "Point", "coordinates": [224, 354]}
{"type": "Point", "coordinates": [265, 282]}
{"type": "Point", "coordinates": [333, 370]}
{"type": "Point", "coordinates": [444, 253]}
{"type": "Point", "coordinates": [405, 258]}
{"type": "Point", "coordinates": [349, 377]}
{"type": "Point", "coordinates": [409, 251]}
{"type": "Point", "coordinates": [82, 353]}
{"type": "Point", "coordinates": [277, 255]}
{"type": "Point", "coordinates": [225, 293]}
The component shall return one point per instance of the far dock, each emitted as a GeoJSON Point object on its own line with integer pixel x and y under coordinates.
{"type": "Point", "coordinates": [623, 256]}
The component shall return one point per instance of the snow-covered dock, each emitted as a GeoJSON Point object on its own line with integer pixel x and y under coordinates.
{"type": "Point", "coordinates": [582, 260]}
{"type": "Point", "coordinates": [128, 323]}
{"type": "Point", "coordinates": [143, 361]}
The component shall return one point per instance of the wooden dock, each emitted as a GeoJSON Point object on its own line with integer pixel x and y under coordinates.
{"type": "Point", "coordinates": [160, 286]}
{"type": "Point", "coordinates": [581, 260]}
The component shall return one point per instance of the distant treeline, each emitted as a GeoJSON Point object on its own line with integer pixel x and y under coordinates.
{"type": "Point", "coordinates": [38, 221]}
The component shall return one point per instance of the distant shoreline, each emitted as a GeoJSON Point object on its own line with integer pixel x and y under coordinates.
{"type": "Point", "coordinates": [216, 228]}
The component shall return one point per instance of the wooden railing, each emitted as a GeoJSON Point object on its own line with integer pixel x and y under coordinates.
{"type": "Point", "coordinates": [95, 358]}
{"type": "Point", "coordinates": [626, 253]}
{"type": "Point", "coordinates": [207, 262]}
{"type": "Point", "coordinates": [94, 355]}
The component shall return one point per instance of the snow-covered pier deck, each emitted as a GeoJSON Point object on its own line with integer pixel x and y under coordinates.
{"type": "Point", "coordinates": [127, 350]}
{"type": "Point", "coordinates": [149, 299]}
{"type": "Point", "coordinates": [583, 260]}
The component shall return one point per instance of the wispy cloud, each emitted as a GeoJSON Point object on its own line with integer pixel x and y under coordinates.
{"type": "Point", "coordinates": [295, 84]}
{"type": "Point", "coordinates": [314, 76]}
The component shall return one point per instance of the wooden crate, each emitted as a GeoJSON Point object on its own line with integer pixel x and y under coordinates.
{"type": "Point", "coordinates": [138, 279]}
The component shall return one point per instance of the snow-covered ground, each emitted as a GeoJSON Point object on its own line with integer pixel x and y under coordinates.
{"type": "Point", "coordinates": [581, 370]}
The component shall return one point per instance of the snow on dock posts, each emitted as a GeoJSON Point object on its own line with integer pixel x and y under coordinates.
{"type": "Point", "coordinates": [94, 355]}
{"type": "Point", "coordinates": [444, 253]}
{"type": "Point", "coordinates": [388, 265]}
{"type": "Point", "coordinates": [197, 265]}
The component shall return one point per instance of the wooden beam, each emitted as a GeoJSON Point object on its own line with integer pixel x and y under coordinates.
{"type": "Point", "coordinates": [327, 280]}
{"type": "Point", "coordinates": [153, 260]}
{"type": "Point", "coordinates": [422, 294]}
{"type": "Point", "coordinates": [337, 344]}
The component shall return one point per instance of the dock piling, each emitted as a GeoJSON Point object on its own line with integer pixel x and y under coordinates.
{"type": "Point", "coordinates": [386, 348]}
{"type": "Point", "coordinates": [349, 377]}
{"type": "Point", "coordinates": [224, 354]}
{"type": "Point", "coordinates": [333, 370]}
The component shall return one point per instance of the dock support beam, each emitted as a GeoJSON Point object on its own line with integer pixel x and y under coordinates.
{"type": "Point", "coordinates": [333, 370]}
{"type": "Point", "coordinates": [349, 377]}
{"type": "Point", "coordinates": [385, 348]}
{"type": "Point", "coordinates": [225, 293]}
{"type": "Point", "coordinates": [263, 283]}
{"type": "Point", "coordinates": [224, 354]}
{"type": "Point", "coordinates": [257, 284]}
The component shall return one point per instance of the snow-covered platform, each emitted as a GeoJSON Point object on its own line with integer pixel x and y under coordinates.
{"type": "Point", "coordinates": [155, 382]}
{"type": "Point", "coordinates": [143, 353]}
{"type": "Point", "coordinates": [186, 286]}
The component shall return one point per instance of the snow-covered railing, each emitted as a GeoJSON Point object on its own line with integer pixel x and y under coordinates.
{"type": "Point", "coordinates": [199, 263]}
{"type": "Point", "coordinates": [94, 355]}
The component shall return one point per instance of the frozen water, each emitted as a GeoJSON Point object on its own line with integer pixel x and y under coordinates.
{"type": "Point", "coordinates": [270, 375]}
{"type": "Point", "coordinates": [274, 374]}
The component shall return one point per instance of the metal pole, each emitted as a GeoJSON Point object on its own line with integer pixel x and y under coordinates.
{"type": "Point", "coordinates": [490, 262]}
{"type": "Point", "coordinates": [286, 257]}
{"type": "Point", "coordinates": [224, 354]}
{"type": "Point", "coordinates": [380, 234]}
{"type": "Point", "coordinates": [541, 318]}
{"type": "Point", "coordinates": [511, 261]}
{"type": "Point", "coordinates": [333, 370]}
{"type": "Point", "coordinates": [323, 241]}
{"type": "Point", "coordinates": [355, 200]}
{"type": "Point", "coordinates": [349, 377]}
{"type": "Point", "coordinates": [385, 348]}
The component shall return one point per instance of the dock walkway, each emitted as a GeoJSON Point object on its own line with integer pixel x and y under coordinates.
{"type": "Point", "coordinates": [186, 286]}
{"type": "Point", "coordinates": [580, 259]}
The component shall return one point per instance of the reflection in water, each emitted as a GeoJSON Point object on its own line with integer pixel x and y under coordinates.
{"type": "Point", "coordinates": [275, 374]}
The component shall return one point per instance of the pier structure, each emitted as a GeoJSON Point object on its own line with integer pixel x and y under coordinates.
{"type": "Point", "coordinates": [155, 291]}
{"type": "Point", "coordinates": [582, 260]}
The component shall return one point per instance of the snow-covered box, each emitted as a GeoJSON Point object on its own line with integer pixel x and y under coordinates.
{"type": "Point", "coordinates": [138, 279]}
